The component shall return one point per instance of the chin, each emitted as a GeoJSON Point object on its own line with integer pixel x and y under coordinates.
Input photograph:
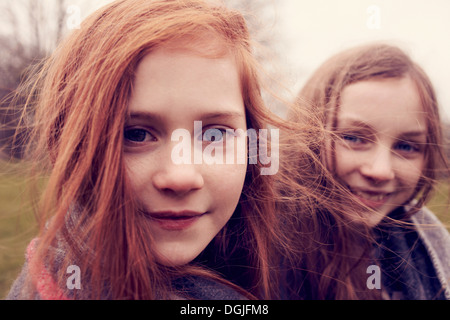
{"type": "Point", "coordinates": [375, 219]}
{"type": "Point", "coordinates": [369, 218]}
{"type": "Point", "coordinates": [179, 257]}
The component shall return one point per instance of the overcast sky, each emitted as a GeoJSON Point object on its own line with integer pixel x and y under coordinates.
{"type": "Point", "coordinates": [308, 32]}
{"type": "Point", "coordinates": [314, 30]}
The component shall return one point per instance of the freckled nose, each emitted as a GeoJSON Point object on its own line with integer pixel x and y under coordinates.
{"type": "Point", "coordinates": [378, 168]}
{"type": "Point", "coordinates": [178, 179]}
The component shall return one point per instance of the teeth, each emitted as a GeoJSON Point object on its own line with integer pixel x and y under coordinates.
{"type": "Point", "coordinates": [372, 197]}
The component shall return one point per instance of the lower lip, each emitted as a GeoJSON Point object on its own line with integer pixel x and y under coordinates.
{"type": "Point", "coordinates": [176, 224]}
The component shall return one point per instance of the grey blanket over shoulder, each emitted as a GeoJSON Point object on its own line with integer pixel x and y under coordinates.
{"type": "Point", "coordinates": [193, 288]}
{"type": "Point", "coordinates": [436, 239]}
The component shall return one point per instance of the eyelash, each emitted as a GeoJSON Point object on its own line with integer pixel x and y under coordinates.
{"type": "Point", "coordinates": [141, 131]}
{"type": "Point", "coordinates": [224, 133]}
{"type": "Point", "coordinates": [352, 137]}
{"type": "Point", "coordinates": [214, 131]}
{"type": "Point", "coordinates": [357, 141]}
{"type": "Point", "coordinates": [414, 147]}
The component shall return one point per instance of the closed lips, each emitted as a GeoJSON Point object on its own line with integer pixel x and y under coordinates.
{"type": "Point", "coordinates": [175, 215]}
{"type": "Point", "coordinates": [176, 221]}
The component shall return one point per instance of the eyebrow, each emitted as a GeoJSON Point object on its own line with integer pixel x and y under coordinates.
{"type": "Point", "coordinates": [353, 123]}
{"type": "Point", "coordinates": [149, 116]}
{"type": "Point", "coordinates": [222, 115]}
{"type": "Point", "coordinates": [413, 134]}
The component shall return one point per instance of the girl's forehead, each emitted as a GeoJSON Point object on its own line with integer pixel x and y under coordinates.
{"type": "Point", "coordinates": [180, 86]}
{"type": "Point", "coordinates": [204, 43]}
{"type": "Point", "coordinates": [383, 103]}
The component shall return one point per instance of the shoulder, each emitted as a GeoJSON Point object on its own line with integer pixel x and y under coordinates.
{"type": "Point", "coordinates": [436, 239]}
{"type": "Point", "coordinates": [22, 288]}
{"type": "Point", "coordinates": [201, 288]}
{"type": "Point", "coordinates": [16, 291]}
{"type": "Point", "coordinates": [430, 227]}
{"type": "Point", "coordinates": [432, 231]}
{"type": "Point", "coordinates": [37, 285]}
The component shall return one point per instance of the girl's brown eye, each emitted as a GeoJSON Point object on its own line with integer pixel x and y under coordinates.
{"type": "Point", "coordinates": [138, 135]}
{"type": "Point", "coordinates": [214, 135]}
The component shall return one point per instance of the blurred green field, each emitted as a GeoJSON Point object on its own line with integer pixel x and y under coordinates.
{"type": "Point", "coordinates": [440, 203]}
{"type": "Point", "coordinates": [18, 225]}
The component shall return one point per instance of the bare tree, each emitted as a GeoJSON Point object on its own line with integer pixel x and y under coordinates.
{"type": "Point", "coordinates": [447, 140]}
{"type": "Point", "coordinates": [261, 17]}
{"type": "Point", "coordinates": [262, 20]}
{"type": "Point", "coordinates": [30, 31]}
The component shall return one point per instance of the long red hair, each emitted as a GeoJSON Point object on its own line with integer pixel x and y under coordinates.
{"type": "Point", "coordinates": [87, 208]}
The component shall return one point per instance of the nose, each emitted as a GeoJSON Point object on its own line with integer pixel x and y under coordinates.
{"type": "Point", "coordinates": [178, 179]}
{"type": "Point", "coordinates": [378, 167]}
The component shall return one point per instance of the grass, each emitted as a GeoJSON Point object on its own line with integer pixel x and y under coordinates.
{"type": "Point", "coordinates": [439, 204]}
{"type": "Point", "coordinates": [18, 225]}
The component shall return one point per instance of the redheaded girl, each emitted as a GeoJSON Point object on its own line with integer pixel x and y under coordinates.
{"type": "Point", "coordinates": [119, 212]}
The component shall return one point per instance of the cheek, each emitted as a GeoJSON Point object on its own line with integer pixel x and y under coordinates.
{"type": "Point", "coordinates": [225, 183]}
{"type": "Point", "coordinates": [231, 178]}
{"type": "Point", "coordinates": [410, 173]}
{"type": "Point", "coordinates": [346, 161]}
{"type": "Point", "coordinates": [339, 159]}
{"type": "Point", "coordinates": [135, 169]}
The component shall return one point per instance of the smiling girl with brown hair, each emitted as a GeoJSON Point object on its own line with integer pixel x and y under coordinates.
{"type": "Point", "coordinates": [385, 148]}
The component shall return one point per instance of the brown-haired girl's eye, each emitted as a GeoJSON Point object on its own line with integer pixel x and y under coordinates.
{"type": "Point", "coordinates": [408, 147]}
{"type": "Point", "coordinates": [352, 138]}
